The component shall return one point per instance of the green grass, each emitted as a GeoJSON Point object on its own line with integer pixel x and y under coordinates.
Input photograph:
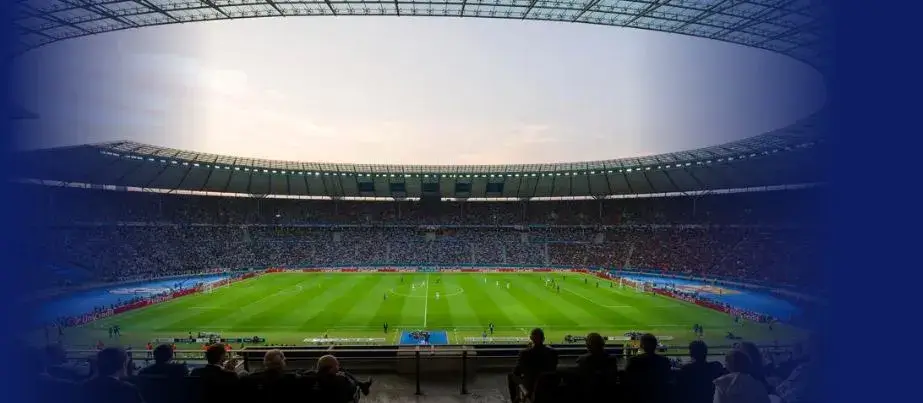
{"type": "Point", "coordinates": [286, 308]}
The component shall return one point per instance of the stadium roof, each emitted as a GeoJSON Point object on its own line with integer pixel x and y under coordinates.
{"type": "Point", "coordinates": [783, 157]}
{"type": "Point", "coordinates": [789, 27]}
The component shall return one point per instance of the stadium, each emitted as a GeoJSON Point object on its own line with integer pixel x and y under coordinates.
{"type": "Point", "coordinates": [430, 275]}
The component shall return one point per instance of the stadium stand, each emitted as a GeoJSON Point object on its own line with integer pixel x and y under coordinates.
{"type": "Point", "coordinates": [715, 236]}
{"type": "Point", "coordinates": [99, 231]}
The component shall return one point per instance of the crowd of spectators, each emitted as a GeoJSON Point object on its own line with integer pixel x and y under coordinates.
{"type": "Point", "coordinates": [649, 377]}
{"type": "Point", "coordinates": [113, 377]}
{"type": "Point", "coordinates": [765, 255]}
{"type": "Point", "coordinates": [602, 374]}
{"type": "Point", "coordinates": [109, 235]}
{"type": "Point", "coordinates": [66, 205]}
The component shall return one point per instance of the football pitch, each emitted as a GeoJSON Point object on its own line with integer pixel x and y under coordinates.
{"type": "Point", "coordinates": [287, 308]}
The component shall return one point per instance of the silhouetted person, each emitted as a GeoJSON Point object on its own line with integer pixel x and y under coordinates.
{"type": "Point", "coordinates": [695, 381]}
{"type": "Point", "coordinates": [757, 368]}
{"type": "Point", "coordinates": [334, 385]}
{"type": "Point", "coordinates": [647, 376]}
{"type": "Point", "coordinates": [41, 387]}
{"type": "Point", "coordinates": [596, 370]}
{"type": "Point", "coordinates": [218, 367]}
{"type": "Point", "coordinates": [273, 383]}
{"type": "Point", "coordinates": [106, 385]}
{"type": "Point", "coordinates": [216, 379]}
{"type": "Point", "coordinates": [163, 365]}
{"type": "Point", "coordinates": [739, 386]}
{"type": "Point", "coordinates": [55, 364]}
{"type": "Point", "coordinates": [533, 361]}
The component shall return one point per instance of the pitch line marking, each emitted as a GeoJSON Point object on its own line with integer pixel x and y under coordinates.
{"type": "Point", "coordinates": [459, 291]}
{"type": "Point", "coordinates": [597, 303]}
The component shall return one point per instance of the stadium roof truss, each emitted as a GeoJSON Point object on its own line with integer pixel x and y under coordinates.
{"type": "Point", "coordinates": [780, 158]}
{"type": "Point", "coordinates": [790, 27]}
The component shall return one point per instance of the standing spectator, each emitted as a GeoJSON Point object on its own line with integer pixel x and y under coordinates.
{"type": "Point", "coordinates": [695, 381]}
{"type": "Point", "coordinates": [739, 386]}
{"type": "Point", "coordinates": [106, 386]}
{"type": "Point", "coordinates": [647, 375]}
{"type": "Point", "coordinates": [533, 361]}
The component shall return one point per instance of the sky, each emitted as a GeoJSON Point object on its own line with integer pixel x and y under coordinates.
{"type": "Point", "coordinates": [408, 90]}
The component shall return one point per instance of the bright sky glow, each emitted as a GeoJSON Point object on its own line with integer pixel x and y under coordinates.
{"type": "Point", "coordinates": [409, 90]}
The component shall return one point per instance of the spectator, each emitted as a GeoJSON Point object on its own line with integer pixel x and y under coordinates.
{"type": "Point", "coordinates": [219, 368]}
{"type": "Point", "coordinates": [106, 385]}
{"type": "Point", "coordinates": [163, 365]}
{"type": "Point", "coordinates": [757, 368]}
{"type": "Point", "coordinates": [695, 381]}
{"type": "Point", "coordinates": [596, 360]}
{"type": "Point", "coordinates": [739, 386]}
{"type": "Point", "coordinates": [801, 385]}
{"type": "Point", "coordinates": [647, 375]}
{"type": "Point", "coordinates": [217, 377]}
{"type": "Point", "coordinates": [44, 387]}
{"type": "Point", "coordinates": [272, 384]}
{"type": "Point", "coordinates": [533, 361]}
{"type": "Point", "coordinates": [55, 364]}
{"type": "Point", "coordinates": [597, 370]}
{"type": "Point", "coordinates": [337, 386]}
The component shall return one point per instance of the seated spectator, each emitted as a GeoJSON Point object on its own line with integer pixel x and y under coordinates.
{"type": "Point", "coordinates": [163, 365]}
{"type": "Point", "coordinates": [647, 376]}
{"type": "Point", "coordinates": [597, 370]}
{"type": "Point", "coordinates": [757, 368]}
{"type": "Point", "coordinates": [801, 385]}
{"type": "Point", "coordinates": [106, 385]}
{"type": "Point", "coordinates": [43, 387]}
{"type": "Point", "coordinates": [596, 359]}
{"type": "Point", "coordinates": [739, 386]}
{"type": "Point", "coordinates": [334, 385]}
{"type": "Point", "coordinates": [218, 377]}
{"type": "Point", "coordinates": [219, 368]}
{"type": "Point", "coordinates": [533, 361]}
{"type": "Point", "coordinates": [273, 383]}
{"type": "Point", "coordinates": [695, 381]}
{"type": "Point", "coordinates": [55, 360]}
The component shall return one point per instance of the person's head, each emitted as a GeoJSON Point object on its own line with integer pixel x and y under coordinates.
{"type": "Point", "coordinates": [648, 343]}
{"type": "Point", "coordinates": [753, 352]}
{"type": "Point", "coordinates": [215, 354]}
{"type": "Point", "coordinates": [274, 359]}
{"type": "Point", "coordinates": [737, 361]}
{"type": "Point", "coordinates": [328, 364]}
{"type": "Point", "coordinates": [111, 362]}
{"type": "Point", "coordinates": [698, 350]}
{"type": "Point", "coordinates": [537, 337]}
{"type": "Point", "coordinates": [163, 354]}
{"type": "Point", "coordinates": [595, 343]}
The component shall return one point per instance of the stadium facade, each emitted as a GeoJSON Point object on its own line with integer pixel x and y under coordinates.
{"type": "Point", "coordinates": [787, 157]}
